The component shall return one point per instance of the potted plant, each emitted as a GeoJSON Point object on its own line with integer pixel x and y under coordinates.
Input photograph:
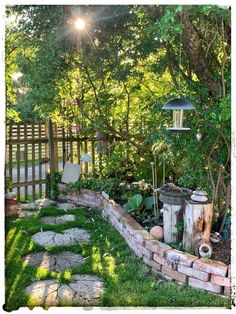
{"type": "Point", "coordinates": [11, 204]}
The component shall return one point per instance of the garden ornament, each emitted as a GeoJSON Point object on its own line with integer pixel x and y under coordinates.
{"type": "Point", "coordinates": [86, 158]}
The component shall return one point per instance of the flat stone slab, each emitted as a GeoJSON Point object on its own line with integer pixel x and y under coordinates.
{"type": "Point", "coordinates": [68, 237]}
{"type": "Point", "coordinates": [41, 203]}
{"type": "Point", "coordinates": [27, 213]}
{"type": "Point", "coordinates": [71, 173]}
{"type": "Point", "coordinates": [83, 290]}
{"type": "Point", "coordinates": [65, 206]}
{"type": "Point", "coordinates": [52, 220]}
{"type": "Point", "coordinates": [58, 262]}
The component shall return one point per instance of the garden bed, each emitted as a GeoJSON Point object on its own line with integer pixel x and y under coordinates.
{"type": "Point", "coordinates": [182, 267]}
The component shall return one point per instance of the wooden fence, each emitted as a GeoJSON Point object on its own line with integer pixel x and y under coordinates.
{"type": "Point", "coordinates": [32, 150]}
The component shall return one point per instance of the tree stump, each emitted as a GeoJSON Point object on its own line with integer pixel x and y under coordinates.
{"type": "Point", "coordinates": [171, 216]}
{"type": "Point", "coordinates": [197, 223]}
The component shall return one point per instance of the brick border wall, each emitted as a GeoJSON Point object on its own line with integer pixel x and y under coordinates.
{"type": "Point", "coordinates": [181, 267]}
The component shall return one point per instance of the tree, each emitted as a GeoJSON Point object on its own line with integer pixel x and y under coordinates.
{"type": "Point", "coordinates": [116, 75]}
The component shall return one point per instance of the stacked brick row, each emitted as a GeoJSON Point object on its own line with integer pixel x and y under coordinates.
{"type": "Point", "coordinates": [210, 275]}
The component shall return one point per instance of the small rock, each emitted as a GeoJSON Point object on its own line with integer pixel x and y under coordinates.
{"type": "Point", "coordinates": [200, 192]}
{"type": "Point", "coordinates": [65, 206]}
{"type": "Point", "coordinates": [198, 198]}
{"type": "Point", "coordinates": [45, 202]}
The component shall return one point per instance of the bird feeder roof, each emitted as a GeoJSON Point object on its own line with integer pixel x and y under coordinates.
{"type": "Point", "coordinates": [178, 104]}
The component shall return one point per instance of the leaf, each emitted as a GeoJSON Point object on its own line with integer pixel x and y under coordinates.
{"type": "Point", "coordinates": [136, 200]}
{"type": "Point", "coordinates": [127, 207]}
{"type": "Point", "coordinates": [149, 202]}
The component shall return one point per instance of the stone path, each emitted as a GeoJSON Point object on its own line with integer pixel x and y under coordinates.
{"type": "Point", "coordinates": [68, 237]}
{"type": "Point", "coordinates": [83, 290]}
{"type": "Point", "coordinates": [58, 262]}
{"type": "Point", "coordinates": [57, 220]}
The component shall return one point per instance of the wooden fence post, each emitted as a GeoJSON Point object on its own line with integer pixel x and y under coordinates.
{"type": "Point", "coordinates": [51, 146]}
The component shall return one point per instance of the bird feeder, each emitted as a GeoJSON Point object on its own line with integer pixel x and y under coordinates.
{"type": "Point", "coordinates": [178, 105]}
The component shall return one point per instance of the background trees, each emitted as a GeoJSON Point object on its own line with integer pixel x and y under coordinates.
{"type": "Point", "coordinates": [115, 76]}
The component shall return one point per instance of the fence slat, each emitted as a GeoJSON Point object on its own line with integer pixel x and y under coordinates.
{"type": "Point", "coordinates": [93, 157]}
{"type": "Point", "coordinates": [10, 153]}
{"type": "Point", "coordinates": [78, 150]}
{"type": "Point", "coordinates": [86, 164]}
{"type": "Point", "coordinates": [26, 161]}
{"type": "Point", "coordinates": [54, 132]}
{"type": "Point", "coordinates": [40, 164]}
{"type": "Point", "coordinates": [33, 163]}
{"type": "Point", "coordinates": [18, 162]}
{"type": "Point", "coordinates": [71, 145]}
{"type": "Point", "coordinates": [63, 147]}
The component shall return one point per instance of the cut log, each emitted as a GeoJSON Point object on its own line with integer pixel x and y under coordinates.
{"type": "Point", "coordinates": [203, 249]}
{"type": "Point", "coordinates": [197, 223]}
{"type": "Point", "coordinates": [171, 216]}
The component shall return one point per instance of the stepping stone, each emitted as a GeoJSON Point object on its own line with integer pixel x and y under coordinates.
{"type": "Point", "coordinates": [52, 220]}
{"type": "Point", "coordinates": [66, 206]}
{"type": "Point", "coordinates": [68, 237]}
{"type": "Point", "coordinates": [58, 262]}
{"type": "Point", "coordinates": [83, 290]}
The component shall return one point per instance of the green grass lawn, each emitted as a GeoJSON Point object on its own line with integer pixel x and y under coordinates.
{"type": "Point", "coordinates": [127, 280]}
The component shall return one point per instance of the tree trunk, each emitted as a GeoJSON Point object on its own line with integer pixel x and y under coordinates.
{"type": "Point", "coordinates": [195, 52]}
{"type": "Point", "coordinates": [197, 223]}
{"type": "Point", "coordinates": [171, 217]}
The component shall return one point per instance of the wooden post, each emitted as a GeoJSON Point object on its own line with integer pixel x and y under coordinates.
{"type": "Point", "coordinates": [39, 162]}
{"type": "Point", "coordinates": [26, 161]}
{"type": "Point", "coordinates": [10, 152]}
{"type": "Point", "coordinates": [86, 151]}
{"type": "Point", "coordinates": [171, 216]}
{"type": "Point", "coordinates": [71, 145]}
{"type": "Point", "coordinates": [33, 161]}
{"type": "Point", "coordinates": [63, 147]}
{"type": "Point", "coordinates": [55, 146]}
{"type": "Point", "coordinates": [93, 158]}
{"type": "Point", "coordinates": [18, 161]}
{"type": "Point", "coordinates": [197, 223]}
{"type": "Point", "coordinates": [51, 146]}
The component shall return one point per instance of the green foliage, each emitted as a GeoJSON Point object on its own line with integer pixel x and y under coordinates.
{"type": "Point", "coordinates": [134, 204]}
{"type": "Point", "coordinates": [149, 202]}
{"type": "Point", "coordinates": [52, 190]}
{"type": "Point", "coordinates": [8, 184]}
{"type": "Point", "coordinates": [122, 70]}
{"type": "Point", "coordinates": [138, 206]}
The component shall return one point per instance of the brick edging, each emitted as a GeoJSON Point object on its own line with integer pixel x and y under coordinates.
{"type": "Point", "coordinates": [206, 274]}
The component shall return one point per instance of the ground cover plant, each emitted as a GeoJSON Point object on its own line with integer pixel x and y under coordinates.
{"type": "Point", "coordinates": [127, 280]}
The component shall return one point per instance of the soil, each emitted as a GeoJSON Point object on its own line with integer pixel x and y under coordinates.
{"type": "Point", "coordinates": [222, 251]}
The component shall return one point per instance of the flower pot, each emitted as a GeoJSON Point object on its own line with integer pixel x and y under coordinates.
{"type": "Point", "coordinates": [174, 198]}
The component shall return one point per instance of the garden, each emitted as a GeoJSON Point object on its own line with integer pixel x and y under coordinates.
{"type": "Point", "coordinates": [119, 121]}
